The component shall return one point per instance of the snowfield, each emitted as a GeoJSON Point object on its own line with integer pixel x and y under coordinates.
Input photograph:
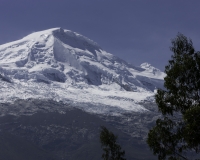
{"type": "Point", "coordinates": [65, 66]}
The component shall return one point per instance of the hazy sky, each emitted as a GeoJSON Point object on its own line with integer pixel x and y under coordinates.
{"type": "Point", "coordinates": [135, 30]}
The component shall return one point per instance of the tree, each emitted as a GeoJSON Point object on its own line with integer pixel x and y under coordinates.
{"type": "Point", "coordinates": [112, 150]}
{"type": "Point", "coordinates": [177, 132]}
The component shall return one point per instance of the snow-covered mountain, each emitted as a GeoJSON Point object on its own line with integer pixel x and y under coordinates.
{"type": "Point", "coordinates": [65, 66]}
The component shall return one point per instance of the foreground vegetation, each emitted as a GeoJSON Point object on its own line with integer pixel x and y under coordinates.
{"type": "Point", "coordinates": [177, 134]}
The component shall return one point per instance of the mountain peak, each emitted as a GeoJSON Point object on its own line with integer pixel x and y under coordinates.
{"type": "Point", "coordinates": [145, 65]}
{"type": "Point", "coordinates": [55, 59]}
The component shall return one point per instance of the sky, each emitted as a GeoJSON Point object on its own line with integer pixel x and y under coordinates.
{"type": "Point", "coordinates": [135, 30]}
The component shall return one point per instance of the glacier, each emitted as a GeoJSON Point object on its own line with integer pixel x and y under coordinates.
{"type": "Point", "coordinates": [67, 67]}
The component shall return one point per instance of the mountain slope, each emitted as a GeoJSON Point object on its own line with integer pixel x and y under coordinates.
{"type": "Point", "coordinates": [73, 135]}
{"type": "Point", "coordinates": [65, 66]}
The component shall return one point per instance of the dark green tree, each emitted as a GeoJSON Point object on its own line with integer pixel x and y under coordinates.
{"type": "Point", "coordinates": [112, 150]}
{"type": "Point", "coordinates": [177, 132]}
